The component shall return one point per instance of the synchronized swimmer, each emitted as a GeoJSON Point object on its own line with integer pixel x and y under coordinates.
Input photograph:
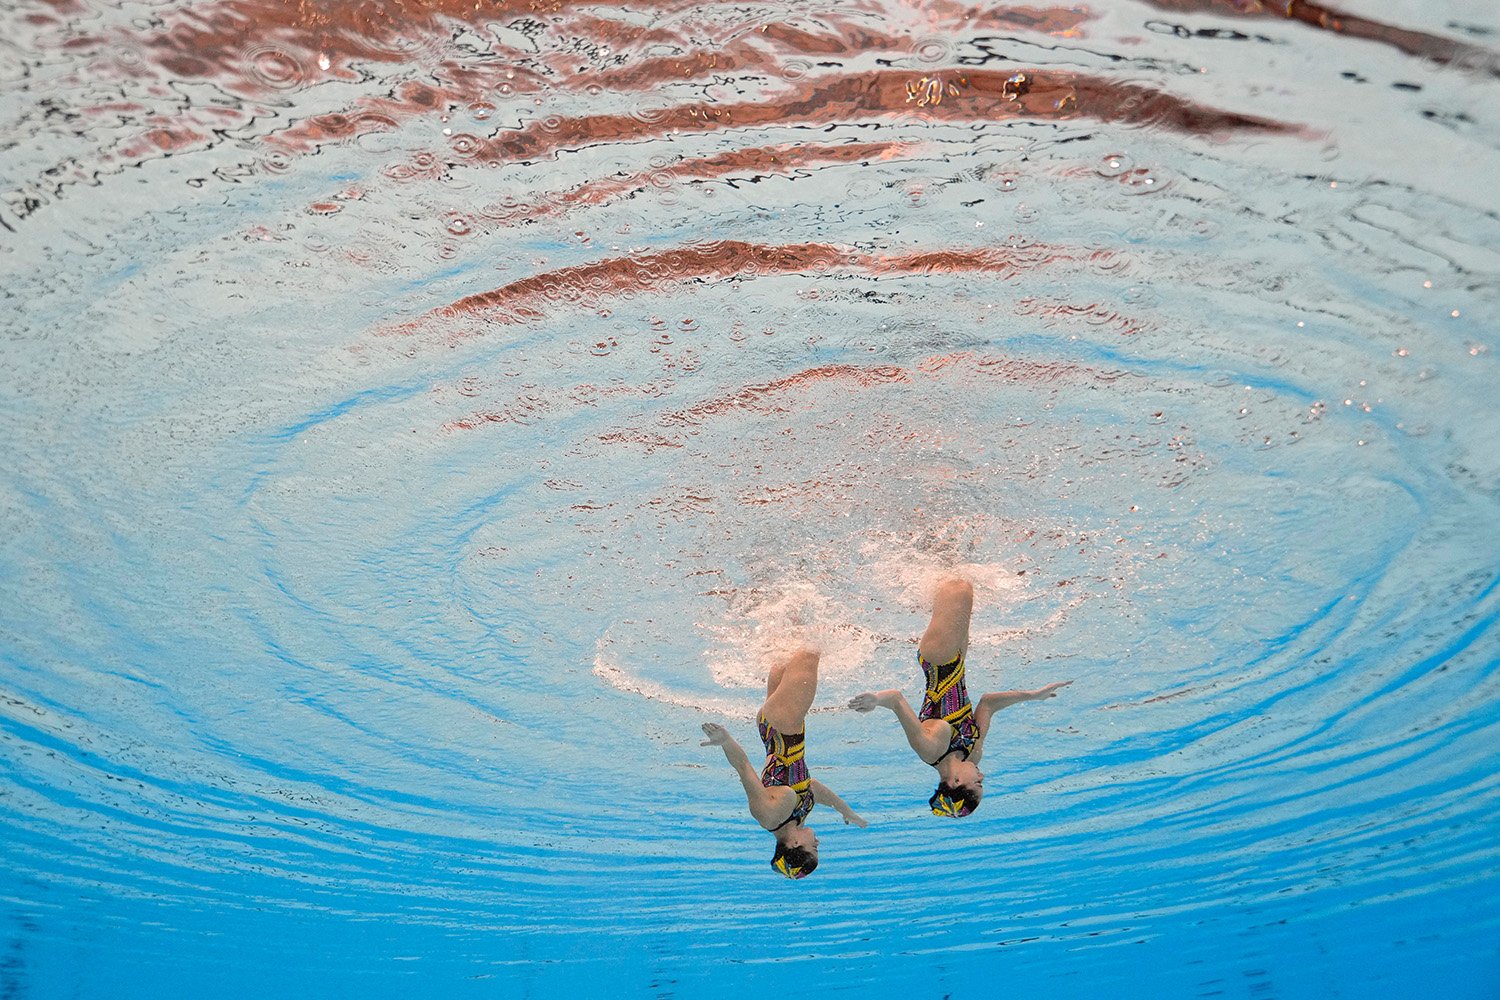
{"type": "Point", "coordinates": [784, 792]}
{"type": "Point", "coordinates": [947, 733]}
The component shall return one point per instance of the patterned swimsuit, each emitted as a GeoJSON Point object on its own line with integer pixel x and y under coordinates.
{"type": "Point", "coordinates": [948, 699]}
{"type": "Point", "coordinates": [785, 766]}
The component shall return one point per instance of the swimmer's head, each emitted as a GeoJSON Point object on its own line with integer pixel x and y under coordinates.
{"type": "Point", "coordinates": [796, 853]}
{"type": "Point", "coordinates": [958, 796]}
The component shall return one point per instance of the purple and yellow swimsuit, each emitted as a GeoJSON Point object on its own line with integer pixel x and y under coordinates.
{"type": "Point", "coordinates": [947, 698]}
{"type": "Point", "coordinates": [785, 766]}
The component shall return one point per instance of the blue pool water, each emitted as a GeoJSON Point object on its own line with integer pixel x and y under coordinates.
{"type": "Point", "coordinates": [420, 418]}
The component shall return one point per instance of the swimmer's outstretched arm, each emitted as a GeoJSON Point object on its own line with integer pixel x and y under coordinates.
{"type": "Point", "coordinates": [822, 793]}
{"type": "Point", "coordinates": [927, 745]}
{"type": "Point", "coordinates": [996, 700]}
{"type": "Point", "coordinates": [719, 737]}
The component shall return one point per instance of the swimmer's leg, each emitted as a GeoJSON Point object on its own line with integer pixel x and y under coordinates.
{"type": "Point", "coordinates": [947, 635]}
{"type": "Point", "coordinates": [778, 671]}
{"type": "Point", "coordinates": [791, 689]}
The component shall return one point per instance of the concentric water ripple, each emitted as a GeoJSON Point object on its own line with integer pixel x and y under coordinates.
{"type": "Point", "coordinates": [420, 419]}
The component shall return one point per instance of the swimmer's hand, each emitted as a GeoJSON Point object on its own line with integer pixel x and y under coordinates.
{"type": "Point", "coordinates": [827, 796]}
{"type": "Point", "coordinates": [871, 700]}
{"type": "Point", "coordinates": [996, 700]}
{"type": "Point", "coordinates": [717, 735]}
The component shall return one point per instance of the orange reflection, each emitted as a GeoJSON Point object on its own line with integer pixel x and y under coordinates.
{"type": "Point", "coordinates": [1415, 43]}
{"type": "Point", "coordinates": [588, 285]}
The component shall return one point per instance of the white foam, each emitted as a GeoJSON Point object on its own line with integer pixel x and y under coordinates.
{"type": "Point", "coordinates": [764, 624]}
{"type": "Point", "coordinates": [607, 669]}
{"type": "Point", "coordinates": [772, 623]}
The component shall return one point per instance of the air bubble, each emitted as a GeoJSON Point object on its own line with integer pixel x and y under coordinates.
{"type": "Point", "coordinates": [275, 68]}
{"type": "Point", "coordinates": [1114, 165]}
{"type": "Point", "coordinates": [1141, 181]}
{"type": "Point", "coordinates": [1106, 260]}
{"type": "Point", "coordinates": [932, 50]}
{"type": "Point", "coordinates": [276, 162]}
{"type": "Point", "coordinates": [466, 145]}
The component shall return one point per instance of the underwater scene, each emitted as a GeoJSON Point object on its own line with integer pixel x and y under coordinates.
{"type": "Point", "coordinates": [670, 499]}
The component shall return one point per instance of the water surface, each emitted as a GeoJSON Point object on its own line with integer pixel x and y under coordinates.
{"type": "Point", "coordinates": [419, 418]}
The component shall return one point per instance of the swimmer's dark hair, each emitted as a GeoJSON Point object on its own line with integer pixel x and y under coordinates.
{"type": "Point", "coordinates": [788, 860]}
{"type": "Point", "coordinates": [953, 801]}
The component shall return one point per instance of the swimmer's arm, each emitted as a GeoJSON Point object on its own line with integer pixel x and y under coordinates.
{"type": "Point", "coordinates": [924, 742]}
{"type": "Point", "coordinates": [996, 700]}
{"type": "Point", "coordinates": [749, 777]}
{"type": "Point", "coordinates": [822, 793]}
